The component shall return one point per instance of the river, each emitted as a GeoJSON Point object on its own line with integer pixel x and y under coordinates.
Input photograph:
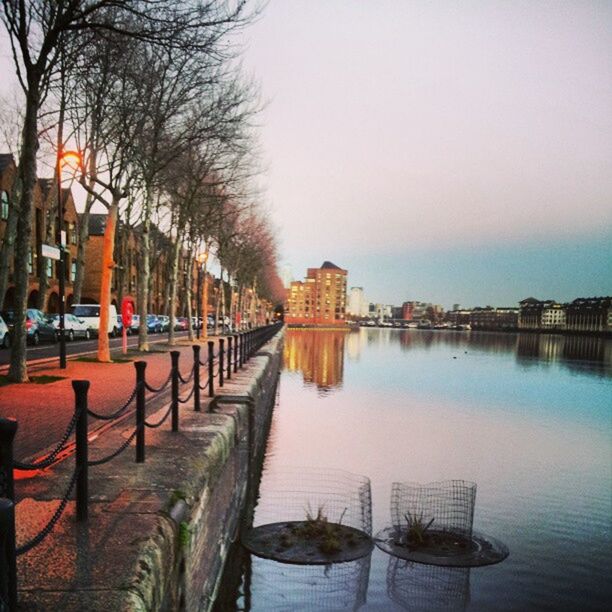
{"type": "Point", "coordinates": [527, 417]}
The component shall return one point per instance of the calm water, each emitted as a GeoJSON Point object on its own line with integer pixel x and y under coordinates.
{"type": "Point", "coordinates": [526, 417]}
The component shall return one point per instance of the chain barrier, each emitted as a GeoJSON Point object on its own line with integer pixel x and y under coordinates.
{"type": "Point", "coordinates": [188, 379]}
{"type": "Point", "coordinates": [114, 415]}
{"type": "Point", "coordinates": [162, 421]}
{"type": "Point", "coordinates": [148, 387]}
{"type": "Point", "coordinates": [50, 459]}
{"type": "Point", "coordinates": [185, 400]}
{"type": "Point", "coordinates": [116, 453]}
{"type": "Point", "coordinates": [204, 386]}
{"type": "Point", "coordinates": [46, 530]}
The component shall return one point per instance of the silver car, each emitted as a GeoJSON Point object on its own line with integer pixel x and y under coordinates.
{"type": "Point", "coordinates": [75, 327]}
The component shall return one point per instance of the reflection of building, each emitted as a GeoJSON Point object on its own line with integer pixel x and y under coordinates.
{"type": "Point", "coordinates": [320, 299]}
{"type": "Point", "coordinates": [318, 354]}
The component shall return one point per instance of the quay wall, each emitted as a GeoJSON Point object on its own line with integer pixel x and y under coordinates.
{"type": "Point", "coordinates": [207, 516]}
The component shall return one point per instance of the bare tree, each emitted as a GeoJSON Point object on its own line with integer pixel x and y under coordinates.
{"type": "Point", "coordinates": [35, 29]}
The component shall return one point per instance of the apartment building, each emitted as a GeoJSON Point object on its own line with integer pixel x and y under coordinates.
{"type": "Point", "coordinates": [320, 299]}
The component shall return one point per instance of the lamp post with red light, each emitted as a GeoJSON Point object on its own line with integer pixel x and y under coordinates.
{"type": "Point", "coordinates": [71, 158]}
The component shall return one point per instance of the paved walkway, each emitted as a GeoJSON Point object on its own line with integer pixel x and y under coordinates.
{"type": "Point", "coordinates": [43, 411]}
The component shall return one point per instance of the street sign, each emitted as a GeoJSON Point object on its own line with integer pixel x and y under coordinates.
{"type": "Point", "coordinates": [50, 251]}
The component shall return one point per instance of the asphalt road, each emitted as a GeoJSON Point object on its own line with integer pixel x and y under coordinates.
{"type": "Point", "coordinates": [48, 350]}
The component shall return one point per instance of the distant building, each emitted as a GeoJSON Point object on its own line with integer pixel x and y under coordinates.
{"type": "Point", "coordinates": [490, 318]}
{"type": "Point", "coordinates": [357, 305]}
{"type": "Point", "coordinates": [590, 314]}
{"type": "Point", "coordinates": [320, 299]}
{"type": "Point", "coordinates": [553, 316]}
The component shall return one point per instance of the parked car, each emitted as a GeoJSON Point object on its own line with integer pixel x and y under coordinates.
{"type": "Point", "coordinates": [75, 327]}
{"type": "Point", "coordinates": [165, 322]}
{"type": "Point", "coordinates": [196, 322]}
{"type": "Point", "coordinates": [5, 338]}
{"type": "Point", "coordinates": [135, 324]}
{"type": "Point", "coordinates": [154, 325]}
{"type": "Point", "coordinates": [182, 324]}
{"type": "Point", "coordinates": [37, 326]}
{"type": "Point", "coordinates": [90, 313]}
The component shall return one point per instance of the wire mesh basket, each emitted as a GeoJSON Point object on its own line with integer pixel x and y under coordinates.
{"type": "Point", "coordinates": [448, 505]}
{"type": "Point", "coordinates": [294, 493]}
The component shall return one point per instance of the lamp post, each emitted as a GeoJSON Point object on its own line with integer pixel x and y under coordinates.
{"type": "Point", "coordinates": [66, 157]}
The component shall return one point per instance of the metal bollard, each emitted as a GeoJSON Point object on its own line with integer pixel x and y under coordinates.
{"type": "Point", "coordinates": [221, 363]}
{"type": "Point", "coordinates": [8, 429]}
{"type": "Point", "coordinates": [81, 387]}
{"type": "Point", "coordinates": [196, 377]}
{"type": "Point", "coordinates": [8, 567]}
{"type": "Point", "coordinates": [241, 351]}
{"type": "Point", "coordinates": [229, 357]}
{"type": "Point", "coordinates": [236, 337]}
{"type": "Point", "coordinates": [174, 356]}
{"type": "Point", "coordinates": [140, 366]}
{"type": "Point", "coordinates": [211, 368]}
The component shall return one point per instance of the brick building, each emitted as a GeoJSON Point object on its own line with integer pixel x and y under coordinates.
{"type": "Point", "coordinates": [318, 300]}
{"type": "Point", "coordinates": [44, 228]}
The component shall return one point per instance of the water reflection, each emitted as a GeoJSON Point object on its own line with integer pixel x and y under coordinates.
{"type": "Point", "coordinates": [318, 354]}
{"type": "Point", "coordinates": [414, 586]}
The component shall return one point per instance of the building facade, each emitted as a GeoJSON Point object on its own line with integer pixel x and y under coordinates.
{"type": "Point", "coordinates": [44, 231]}
{"type": "Point", "coordinates": [320, 299]}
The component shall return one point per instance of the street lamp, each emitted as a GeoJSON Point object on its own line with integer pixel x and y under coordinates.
{"type": "Point", "coordinates": [202, 257]}
{"type": "Point", "coordinates": [70, 158]}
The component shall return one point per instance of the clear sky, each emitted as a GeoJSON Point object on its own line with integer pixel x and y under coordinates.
{"type": "Point", "coordinates": [441, 151]}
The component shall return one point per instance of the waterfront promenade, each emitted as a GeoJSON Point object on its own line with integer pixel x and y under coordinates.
{"type": "Point", "coordinates": [131, 551]}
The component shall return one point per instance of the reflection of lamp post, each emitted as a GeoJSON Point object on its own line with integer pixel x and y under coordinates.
{"type": "Point", "coordinates": [202, 257]}
{"type": "Point", "coordinates": [66, 157]}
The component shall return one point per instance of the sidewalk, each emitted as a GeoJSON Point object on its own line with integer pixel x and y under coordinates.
{"type": "Point", "coordinates": [44, 410]}
{"type": "Point", "coordinates": [146, 520]}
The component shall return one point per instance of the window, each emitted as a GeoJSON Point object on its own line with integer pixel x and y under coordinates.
{"type": "Point", "coordinates": [4, 205]}
{"type": "Point", "coordinates": [30, 262]}
{"type": "Point", "coordinates": [73, 271]}
{"type": "Point", "coordinates": [73, 233]}
{"type": "Point", "coordinates": [49, 267]}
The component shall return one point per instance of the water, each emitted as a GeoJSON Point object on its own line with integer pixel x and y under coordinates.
{"type": "Point", "coordinates": [527, 417]}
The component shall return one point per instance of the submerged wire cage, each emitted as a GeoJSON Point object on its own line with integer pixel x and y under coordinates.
{"type": "Point", "coordinates": [341, 586]}
{"type": "Point", "coordinates": [311, 516]}
{"type": "Point", "coordinates": [449, 504]}
{"type": "Point", "coordinates": [415, 586]}
{"type": "Point", "coordinates": [293, 493]}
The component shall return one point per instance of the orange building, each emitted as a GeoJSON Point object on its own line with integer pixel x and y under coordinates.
{"type": "Point", "coordinates": [318, 300]}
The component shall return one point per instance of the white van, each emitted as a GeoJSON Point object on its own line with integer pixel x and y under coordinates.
{"type": "Point", "coordinates": [90, 314]}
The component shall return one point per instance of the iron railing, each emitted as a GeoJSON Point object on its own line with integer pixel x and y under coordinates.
{"type": "Point", "coordinates": [229, 357]}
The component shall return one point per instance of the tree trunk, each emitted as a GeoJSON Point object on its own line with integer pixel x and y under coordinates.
{"type": "Point", "coordinates": [188, 293]}
{"type": "Point", "coordinates": [108, 264]}
{"type": "Point", "coordinates": [176, 251]}
{"type": "Point", "coordinates": [144, 274]}
{"type": "Point", "coordinates": [18, 370]}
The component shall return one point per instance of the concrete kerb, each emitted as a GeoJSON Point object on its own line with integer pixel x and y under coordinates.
{"type": "Point", "coordinates": [177, 501]}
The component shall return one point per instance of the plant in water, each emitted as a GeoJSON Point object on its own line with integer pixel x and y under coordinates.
{"type": "Point", "coordinates": [317, 528]}
{"type": "Point", "coordinates": [416, 530]}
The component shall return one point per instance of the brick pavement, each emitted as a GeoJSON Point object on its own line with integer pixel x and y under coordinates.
{"type": "Point", "coordinates": [44, 410]}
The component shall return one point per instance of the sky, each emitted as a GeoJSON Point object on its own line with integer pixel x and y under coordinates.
{"type": "Point", "coordinates": [448, 152]}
